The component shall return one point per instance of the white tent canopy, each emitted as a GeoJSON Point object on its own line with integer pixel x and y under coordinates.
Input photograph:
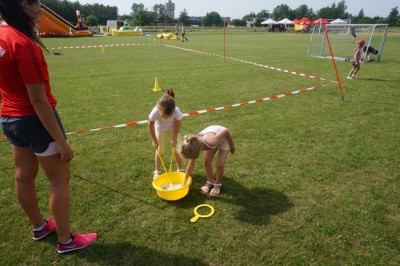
{"type": "Point", "coordinates": [285, 21]}
{"type": "Point", "coordinates": [268, 21]}
{"type": "Point", "coordinates": [338, 21]}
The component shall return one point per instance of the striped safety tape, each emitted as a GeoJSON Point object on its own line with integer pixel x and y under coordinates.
{"type": "Point", "coordinates": [209, 110]}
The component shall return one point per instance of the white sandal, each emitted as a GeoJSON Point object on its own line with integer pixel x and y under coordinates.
{"type": "Point", "coordinates": [215, 190]}
{"type": "Point", "coordinates": [206, 188]}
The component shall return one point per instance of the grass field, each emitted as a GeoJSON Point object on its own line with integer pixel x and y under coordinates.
{"type": "Point", "coordinates": [314, 180]}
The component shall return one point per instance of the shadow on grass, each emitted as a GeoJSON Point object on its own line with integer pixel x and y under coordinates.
{"type": "Point", "coordinates": [128, 254]}
{"type": "Point", "coordinates": [116, 191]}
{"type": "Point", "coordinates": [258, 204]}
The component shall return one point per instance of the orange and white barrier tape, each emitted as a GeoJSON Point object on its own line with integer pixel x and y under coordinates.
{"type": "Point", "coordinates": [209, 110]}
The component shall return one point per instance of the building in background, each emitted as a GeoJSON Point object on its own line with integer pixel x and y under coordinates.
{"type": "Point", "coordinates": [170, 9]}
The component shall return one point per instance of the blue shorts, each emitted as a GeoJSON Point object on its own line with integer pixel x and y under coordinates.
{"type": "Point", "coordinates": [28, 131]}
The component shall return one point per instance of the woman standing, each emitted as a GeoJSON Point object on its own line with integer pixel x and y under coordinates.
{"type": "Point", "coordinates": [32, 125]}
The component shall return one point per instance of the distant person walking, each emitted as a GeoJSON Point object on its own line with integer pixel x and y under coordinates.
{"type": "Point", "coordinates": [184, 33]}
{"type": "Point", "coordinates": [177, 32]}
{"type": "Point", "coordinates": [353, 33]}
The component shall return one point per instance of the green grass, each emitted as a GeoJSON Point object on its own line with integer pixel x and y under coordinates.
{"type": "Point", "coordinates": [315, 180]}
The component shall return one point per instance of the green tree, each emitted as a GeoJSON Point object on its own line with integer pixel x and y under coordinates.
{"type": "Point", "coordinates": [137, 8]}
{"type": "Point", "coordinates": [184, 17]}
{"type": "Point", "coordinates": [393, 18]}
{"type": "Point", "coordinates": [281, 11]}
{"type": "Point", "coordinates": [302, 11]}
{"type": "Point", "coordinates": [212, 19]}
{"type": "Point", "coordinates": [159, 11]}
{"type": "Point", "coordinates": [334, 11]}
{"type": "Point", "coordinates": [249, 17]}
{"type": "Point", "coordinates": [341, 9]}
{"type": "Point", "coordinates": [263, 15]}
{"type": "Point", "coordinates": [360, 15]}
{"type": "Point", "coordinates": [101, 12]}
{"type": "Point", "coordinates": [144, 18]}
{"type": "Point", "coordinates": [238, 22]}
{"type": "Point", "coordinates": [91, 20]}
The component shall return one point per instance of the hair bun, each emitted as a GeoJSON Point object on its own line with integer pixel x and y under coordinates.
{"type": "Point", "coordinates": [170, 93]}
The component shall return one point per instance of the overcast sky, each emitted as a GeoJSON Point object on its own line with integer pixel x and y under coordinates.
{"type": "Point", "coordinates": [240, 8]}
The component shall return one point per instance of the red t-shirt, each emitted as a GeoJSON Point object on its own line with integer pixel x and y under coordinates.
{"type": "Point", "coordinates": [21, 62]}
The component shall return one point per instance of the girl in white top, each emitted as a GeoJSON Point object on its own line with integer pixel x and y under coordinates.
{"type": "Point", "coordinates": [212, 139]}
{"type": "Point", "coordinates": [164, 125]}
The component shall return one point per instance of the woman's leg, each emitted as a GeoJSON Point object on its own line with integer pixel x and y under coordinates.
{"type": "Point", "coordinates": [58, 174]}
{"type": "Point", "coordinates": [26, 169]}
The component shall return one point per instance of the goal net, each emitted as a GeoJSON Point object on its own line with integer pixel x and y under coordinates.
{"type": "Point", "coordinates": [343, 39]}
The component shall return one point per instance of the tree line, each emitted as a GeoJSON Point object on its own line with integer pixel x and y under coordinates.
{"type": "Point", "coordinates": [98, 14]}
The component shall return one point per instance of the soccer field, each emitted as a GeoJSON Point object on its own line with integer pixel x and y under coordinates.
{"type": "Point", "coordinates": [314, 180]}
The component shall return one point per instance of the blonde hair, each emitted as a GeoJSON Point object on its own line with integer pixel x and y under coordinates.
{"type": "Point", "coordinates": [191, 147]}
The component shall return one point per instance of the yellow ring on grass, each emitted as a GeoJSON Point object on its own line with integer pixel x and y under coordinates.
{"type": "Point", "coordinates": [197, 215]}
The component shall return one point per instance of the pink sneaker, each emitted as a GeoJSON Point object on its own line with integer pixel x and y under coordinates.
{"type": "Point", "coordinates": [79, 241]}
{"type": "Point", "coordinates": [48, 228]}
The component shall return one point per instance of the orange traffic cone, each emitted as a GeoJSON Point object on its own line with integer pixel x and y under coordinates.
{"type": "Point", "coordinates": [156, 85]}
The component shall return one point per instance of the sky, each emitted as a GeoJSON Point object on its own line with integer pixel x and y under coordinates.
{"type": "Point", "coordinates": [240, 8]}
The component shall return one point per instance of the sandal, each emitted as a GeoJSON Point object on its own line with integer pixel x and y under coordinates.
{"type": "Point", "coordinates": [206, 188]}
{"type": "Point", "coordinates": [215, 190]}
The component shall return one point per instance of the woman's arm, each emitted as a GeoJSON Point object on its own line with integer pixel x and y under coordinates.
{"type": "Point", "coordinates": [43, 109]}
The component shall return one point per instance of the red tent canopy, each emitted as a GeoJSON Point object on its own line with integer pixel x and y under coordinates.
{"type": "Point", "coordinates": [296, 21]}
{"type": "Point", "coordinates": [305, 21]}
{"type": "Point", "coordinates": [320, 21]}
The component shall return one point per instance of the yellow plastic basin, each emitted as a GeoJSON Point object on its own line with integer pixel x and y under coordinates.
{"type": "Point", "coordinates": [168, 186]}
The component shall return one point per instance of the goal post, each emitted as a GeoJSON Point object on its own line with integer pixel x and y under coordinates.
{"type": "Point", "coordinates": [343, 42]}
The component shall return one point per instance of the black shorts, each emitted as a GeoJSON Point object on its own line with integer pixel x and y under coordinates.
{"type": "Point", "coordinates": [28, 131]}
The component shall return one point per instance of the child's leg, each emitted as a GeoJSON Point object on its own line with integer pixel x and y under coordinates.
{"type": "Point", "coordinates": [161, 149]}
{"type": "Point", "coordinates": [219, 165]}
{"type": "Point", "coordinates": [178, 161]}
{"type": "Point", "coordinates": [352, 71]}
{"type": "Point", "coordinates": [208, 157]}
{"type": "Point", "coordinates": [356, 69]}
{"type": "Point", "coordinates": [157, 162]}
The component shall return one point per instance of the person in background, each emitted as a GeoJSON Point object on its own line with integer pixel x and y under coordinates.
{"type": "Point", "coordinates": [176, 32]}
{"type": "Point", "coordinates": [353, 33]}
{"type": "Point", "coordinates": [164, 125]}
{"type": "Point", "coordinates": [183, 32]}
{"type": "Point", "coordinates": [31, 123]}
{"type": "Point", "coordinates": [213, 139]}
{"type": "Point", "coordinates": [368, 52]}
{"type": "Point", "coordinates": [356, 60]}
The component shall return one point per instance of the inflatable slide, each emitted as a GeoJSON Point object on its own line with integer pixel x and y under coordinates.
{"type": "Point", "coordinates": [52, 25]}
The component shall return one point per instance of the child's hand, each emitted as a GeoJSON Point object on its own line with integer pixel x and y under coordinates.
{"type": "Point", "coordinates": [173, 143]}
{"type": "Point", "coordinates": [232, 148]}
{"type": "Point", "coordinates": [155, 144]}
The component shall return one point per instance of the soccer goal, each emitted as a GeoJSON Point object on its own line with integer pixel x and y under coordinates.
{"type": "Point", "coordinates": [343, 39]}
